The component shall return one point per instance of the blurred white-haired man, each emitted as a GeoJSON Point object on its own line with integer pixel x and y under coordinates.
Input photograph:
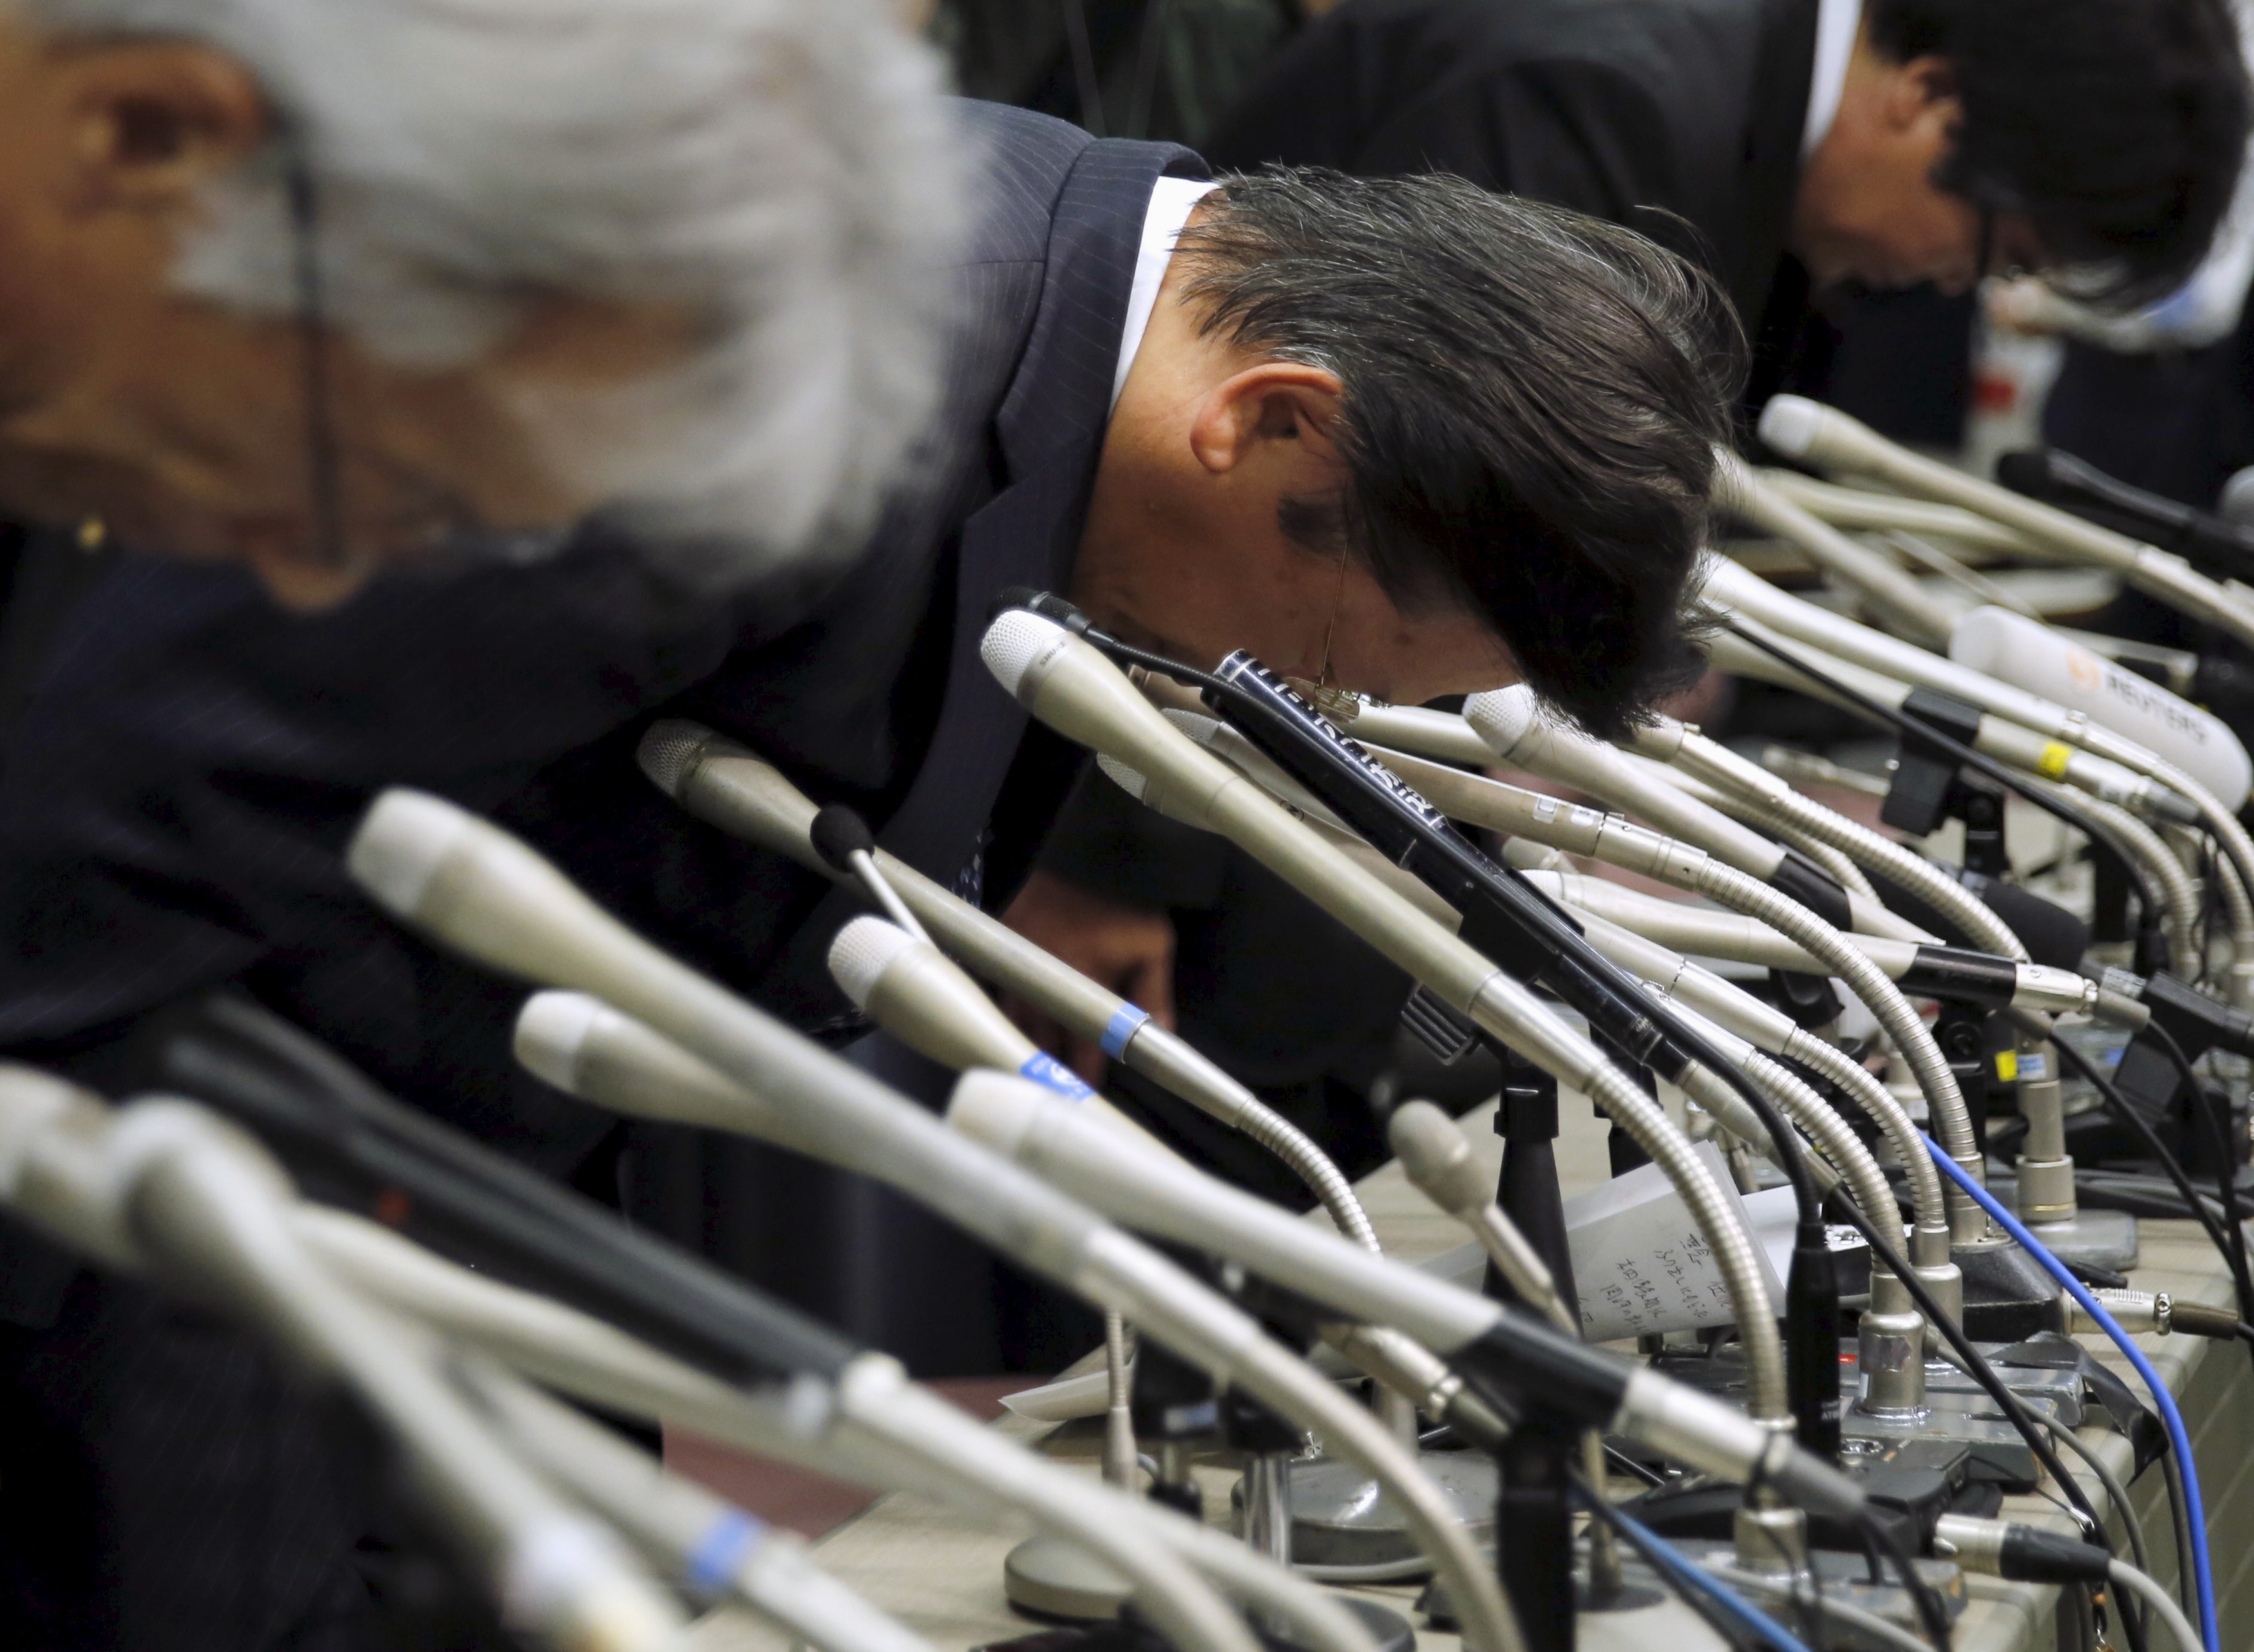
{"type": "Point", "coordinates": [321, 285]}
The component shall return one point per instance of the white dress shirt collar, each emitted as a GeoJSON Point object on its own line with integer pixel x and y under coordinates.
{"type": "Point", "coordinates": [1837, 22]}
{"type": "Point", "coordinates": [1171, 201]}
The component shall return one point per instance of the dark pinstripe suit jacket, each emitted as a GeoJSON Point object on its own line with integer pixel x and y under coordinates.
{"type": "Point", "coordinates": [174, 807]}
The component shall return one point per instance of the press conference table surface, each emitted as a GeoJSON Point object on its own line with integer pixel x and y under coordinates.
{"type": "Point", "coordinates": [938, 1569]}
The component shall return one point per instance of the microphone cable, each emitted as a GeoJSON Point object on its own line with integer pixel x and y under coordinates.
{"type": "Point", "coordinates": [2170, 1415]}
{"type": "Point", "coordinates": [2211, 1117]}
{"type": "Point", "coordinates": [2233, 1255]}
{"type": "Point", "coordinates": [1969, 1359]}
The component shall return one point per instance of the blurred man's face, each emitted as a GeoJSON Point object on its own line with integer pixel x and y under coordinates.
{"type": "Point", "coordinates": [1868, 211]}
{"type": "Point", "coordinates": [192, 431]}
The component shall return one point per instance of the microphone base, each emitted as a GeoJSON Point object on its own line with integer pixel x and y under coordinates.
{"type": "Point", "coordinates": [1053, 1582]}
{"type": "Point", "coordinates": [1337, 1519]}
{"type": "Point", "coordinates": [2094, 1238]}
{"type": "Point", "coordinates": [1058, 1582]}
{"type": "Point", "coordinates": [2007, 1296]}
{"type": "Point", "coordinates": [1951, 1412]}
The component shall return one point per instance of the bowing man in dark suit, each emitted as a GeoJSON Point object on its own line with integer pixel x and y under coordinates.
{"type": "Point", "coordinates": [1785, 143]}
{"type": "Point", "coordinates": [1321, 429]}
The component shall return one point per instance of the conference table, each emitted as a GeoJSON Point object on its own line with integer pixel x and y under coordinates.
{"type": "Point", "coordinates": [938, 1569]}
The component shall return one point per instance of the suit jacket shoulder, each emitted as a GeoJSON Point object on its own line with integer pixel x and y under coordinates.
{"type": "Point", "coordinates": [1693, 106]}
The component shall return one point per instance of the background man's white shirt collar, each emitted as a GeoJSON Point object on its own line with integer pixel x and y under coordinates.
{"type": "Point", "coordinates": [1837, 24]}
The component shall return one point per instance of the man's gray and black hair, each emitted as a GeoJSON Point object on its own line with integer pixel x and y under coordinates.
{"type": "Point", "coordinates": [1532, 399]}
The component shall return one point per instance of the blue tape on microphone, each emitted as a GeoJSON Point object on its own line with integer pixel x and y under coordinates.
{"type": "Point", "coordinates": [1126, 1021]}
{"type": "Point", "coordinates": [1044, 1069]}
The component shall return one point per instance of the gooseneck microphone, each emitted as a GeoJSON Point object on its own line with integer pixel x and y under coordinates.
{"type": "Point", "coordinates": [2043, 661]}
{"type": "Point", "coordinates": [351, 1144]}
{"type": "Point", "coordinates": [163, 1188]}
{"type": "Point", "coordinates": [1069, 685]}
{"type": "Point", "coordinates": [1802, 429]}
{"type": "Point", "coordinates": [490, 897]}
{"type": "Point", "coordinates": [914, 991]}
{"type": "Point", "coordinates": [721, 782]}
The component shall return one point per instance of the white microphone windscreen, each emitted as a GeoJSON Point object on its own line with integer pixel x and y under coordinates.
{"type": "Point", "coordinates": [402, 841]}
{"type": "Point", "coordinates": [1789, 424]}
{"type": "Point", "coordinates": [551, 1030]}
{"type": "Point", "coordinates": [863, 951]}
{"type": "Point", "coordinates": [1436, 1156]}
{"type": "Point", "coordinates": [1016, 638]}
{"type": "Point", "coordinates": [1200, 729]}
{"type": "Point", "coordinates": [1501, 716]}
{"type": "Point", "coordinates": [2031, 655]}
{"type": "Point", "coordinates": [995, 1108]}
{"type": "Point", "coordinates": [1119, 775]}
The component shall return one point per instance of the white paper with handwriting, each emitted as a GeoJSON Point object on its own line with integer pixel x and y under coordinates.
{"type": "Point", "coordinates": [1640, 1265]}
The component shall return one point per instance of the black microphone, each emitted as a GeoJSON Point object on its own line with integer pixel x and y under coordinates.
{"type": "Point", "coordinates": [350, 1145]}
{"type": "Point", "coordinates": [2215, 544]}
{"type": "Point", "coordinates": [1504, 918]}
{"type": "Point", "coordinates": [2051, 934]}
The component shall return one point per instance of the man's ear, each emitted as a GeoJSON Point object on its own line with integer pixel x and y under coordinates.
{"type": "Point", "coordinates": [1268, 402]}
{"type": "Point", "coordinates": [1923, 92]}
{"type": "Point", "coordinates": [150, 123]}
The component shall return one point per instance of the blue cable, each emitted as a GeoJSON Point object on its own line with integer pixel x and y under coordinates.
{"type": "Point", "coordinates": [2178, 1438]}
{"type": "Point", "coordinates": [1686, 1576]}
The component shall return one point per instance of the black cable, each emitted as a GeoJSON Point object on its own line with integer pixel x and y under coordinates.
{"type": "Point", "coordinates": [2226, 1169]}
{"type": "Point", "coordinates": [2117, 1104]}
{"type": "Point", "coordinates": [1872, 1558]}
{"type": "Point", "coordinates": [1931, 1613]}
{"type": "Point", "coordinates": [1105, 642]}
{"type": "Point", "coordinates": [1904, 722]}
{"type": "Point", "coordinates": [2139, 1195]}
{"type": "Point", "coordinates": [1620, 1459]}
